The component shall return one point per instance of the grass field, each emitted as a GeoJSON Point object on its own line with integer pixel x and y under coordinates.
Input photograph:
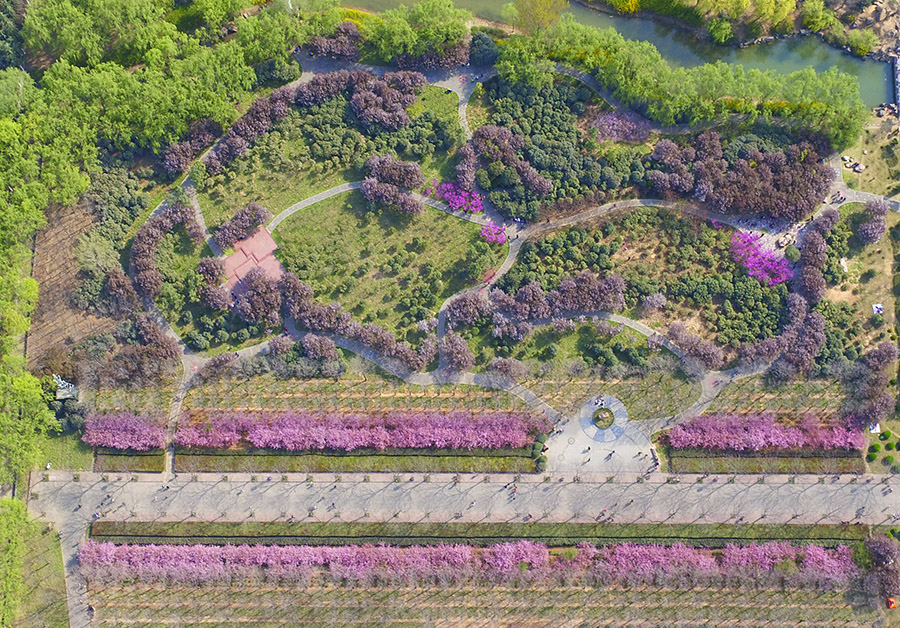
{"type": "Point", "coordinates": [354, 392]}
{"type": "Point", "coordinates": [150, 399]}
{"type": "Point", "coordinates": [445, 105]}
{"type": "Point", "coordinates": [374, 463]}
{"type": "Point", "coordinates": [480, 534]}
{"type": "Point", "coordinates": [378, 264]}
{"type": "Point", "coordinates": [869, 280]}
{"type": "Point", "coordinates": [44, 596]}
{"type": "Point", "coordinates": [819, 396]}
{"type": "Point", "coordinates": [494, 607]}
{"type": "Point", "coordinates": [66, 451]}
{"type": "Point", "coordinates": [882, 173]}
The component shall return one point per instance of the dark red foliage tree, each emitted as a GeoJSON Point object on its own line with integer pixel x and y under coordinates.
{"type": "Point", "coordinates": [709, 355]}
{"type": "Point", "coordinates": [260, 300]}
{"type": "Point", "coordinates": [242, 224]}
{"type": "Point", "coordinates": [456, 353]}
{"type": "Point", "coordinates": [343, 44]}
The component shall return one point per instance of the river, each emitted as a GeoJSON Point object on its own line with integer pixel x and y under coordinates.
{"type": "Point", "coordinates": [680, 48]}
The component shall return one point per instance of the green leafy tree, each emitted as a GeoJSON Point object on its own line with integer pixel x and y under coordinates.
{"type": "Point", "coordinates": [270, 35]}
{"type": "Point", "coordinates": [13, 523]}
{"type": "Point", "coordinates": [533, 15]}
{"type": "Point", "coordinates": [521, 59]}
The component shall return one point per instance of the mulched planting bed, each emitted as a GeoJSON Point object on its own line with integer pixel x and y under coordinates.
{"type": "Point", "coordinates": [552, 534]}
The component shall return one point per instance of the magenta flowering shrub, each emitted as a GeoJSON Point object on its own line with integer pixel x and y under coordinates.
{"type": "Point", "coordinates": [457, 198]}
{"type": "Point", "coordinates": [147, 278]}
{"type": "Point", "coordinates": [492, 232]}
{"type": "Point", "coordinates": [760, 263]}
{"type": "Point", "coordinates": [517, 562]}
{"type": "Point", "coordinates": [309, 431]}
{"type": "Point", "coordinates": [755, 432]}
{"type": "Point", "coordinates": [241, 225]}
{"type": "Point", "coordinates": [123, 431]}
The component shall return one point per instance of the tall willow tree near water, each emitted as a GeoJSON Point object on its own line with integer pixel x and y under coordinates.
{"type": "Point", "coordinates": [534, 15]}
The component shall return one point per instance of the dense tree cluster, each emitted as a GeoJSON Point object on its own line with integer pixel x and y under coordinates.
{"type": "Point", "coordinates": [456, 353]}
{"type": "Point", "coordinates": [386, 180]}
{"type": "Point", "coordinates": [706, 353]}
{"type": "Point", "coordinates": [147, 355]}
{"type": "Point", "coordinates": [467, 309]}
{"type": "Point", "coordinates": [260, 298]}
{"type": "Point", "coordinates": [787, 184]}
{"type": "Point", "coordinates": [211, 270]}
{"type": "Point", "coordinates": [868, 402]}
{"type": "Point", "coordinates": [872, 229]}
{"type": "Point", "coordinates": [263, 114]}
{"type": "Point", "coordinates": [344, 43]}
{"type": "Point", "coordinates": [241, 225]}
{"type": "Point", "coordinates": [147, 279]}
{"type": "Point", "coordinates": [483, 51]}
{"type": "Point", "coordinates": [431, 33]}
{"type": "Point", "coordinates": [331, 319]}
{"type": "Point", "coordinates": [827, 103]}
{"type": "Point", "coordinates": [177, 157]}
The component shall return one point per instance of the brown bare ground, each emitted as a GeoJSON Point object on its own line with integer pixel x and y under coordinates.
{"type": "Point", "coordinates": [56, 325]}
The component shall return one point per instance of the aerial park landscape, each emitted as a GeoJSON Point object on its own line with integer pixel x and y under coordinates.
{"type": "Point", "coordinates": [448, 315]}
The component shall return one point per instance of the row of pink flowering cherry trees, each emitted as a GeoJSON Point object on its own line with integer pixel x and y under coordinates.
{"type": "Point", "coordinates": [523, 562]}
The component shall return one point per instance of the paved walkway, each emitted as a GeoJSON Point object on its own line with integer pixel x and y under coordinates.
{"type": "Point", "coordinates": [440, 498]}
{"type": "Point", "coordinates": [583, 448]}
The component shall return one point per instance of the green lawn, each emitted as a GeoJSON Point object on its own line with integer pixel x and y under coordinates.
{"type": "Point", "coordinates": [349, 463]}
{"type": "Point", "coordinates": [44, 596]}
{"type": "Point", "coordinates": [445, 105]}
{"type": "Point", "coordinates": [66, 451]}
{"type": "Point", "coordinates": [396, 533]}
{"type": "Point", "coordinates": [379, 263]}
{"type": "Point", "coordinates": [699, 461]}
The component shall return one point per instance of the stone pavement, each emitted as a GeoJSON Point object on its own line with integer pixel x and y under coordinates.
{"type": "Point", "coordinates": [581, 447]}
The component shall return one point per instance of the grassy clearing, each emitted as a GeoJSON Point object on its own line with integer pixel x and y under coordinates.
{"type": "Point", "coordinates": [153, 400]}
{"type": "Point", "coordinates": [275, 462]}
{"type": "Point", "coordinates": [66, 451]}
{"type": "Point", "coordinates": [396, 533]}
{"type": "Point", "coordinates": [882, 172]}
{"type": "Point", "coordinates": [152, 462]}
{"type": "Point", "coordinates": [656, 394]}
{"type": "Point", "coordinates": [381, 266]}
{"type": "Point", "coordinates": [818, 396]}
{"type": "Point", "coordinates": [495, 606]}
{"type": "Point", "coordinates": [884, 446]}
{"type": "Point", "coordinates": [44, 596]}
{"type": "Point", "coordinates": [477, 109]}
{"type": "Point", "coordinates": [869, 280]}
{"type": "Point", "coordinates": [355, 392]}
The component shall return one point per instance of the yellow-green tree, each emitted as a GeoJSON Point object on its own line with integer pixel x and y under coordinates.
{"type": "Point", "coordinates": [534, 15]}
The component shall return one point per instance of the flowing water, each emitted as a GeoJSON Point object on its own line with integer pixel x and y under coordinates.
{"type": "Point", "coordinates": [680, 48]}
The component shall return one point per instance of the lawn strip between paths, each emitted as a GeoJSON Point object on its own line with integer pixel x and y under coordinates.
{"type": "Point", "coordinates": [480, 534]}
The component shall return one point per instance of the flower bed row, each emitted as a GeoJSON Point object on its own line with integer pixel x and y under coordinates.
{"type": "Point", "coordinates": [775, 563]}
{"type": "Point", "coordinates": [735, 432]}
{"type": "Point", "coordinates": [312, 431]}
{"type": "Point", "coordinates": [124, 431]}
